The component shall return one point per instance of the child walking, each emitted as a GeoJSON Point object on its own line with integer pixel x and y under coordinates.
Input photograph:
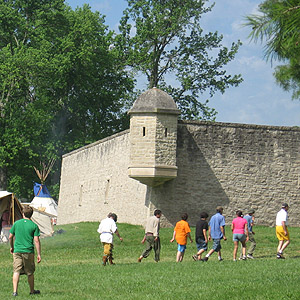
{"type": "Point", "coordinates": [181, 233]}
{"type": "Point", "coordinates": [201, 236]}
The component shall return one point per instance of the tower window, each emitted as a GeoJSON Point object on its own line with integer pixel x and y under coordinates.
{"type": "Point", "coordinates": [144, 131]}
{"type": "Point", "coordinates": [166, 132]}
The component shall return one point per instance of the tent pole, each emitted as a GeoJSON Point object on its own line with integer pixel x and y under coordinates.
{"type": "Point", "coordinates": [13, 208]}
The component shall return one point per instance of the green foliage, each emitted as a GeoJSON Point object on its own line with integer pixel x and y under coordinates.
{"type": "Point", "coordinates": [162, 38]}
{"type": "Point", "coordinates": [288, 77]}
{"type": "Point", "coordinates": [71, 269]}
{"type": "Point", "coordinates": [278, 24]}
{"type": "Point", "coordinates": [67, 81]}
{"type": "Point", "coordinates": [61, 87]}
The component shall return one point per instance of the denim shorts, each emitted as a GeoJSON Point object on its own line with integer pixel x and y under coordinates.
{"type": "Point", "coordinates": [181, 248]}
{"type": "Point", "coordinates": [239, 237]}
{"type": "Point", "coordinates": [217, 244]}
{"type": "Point", "coordinates": [201, 244]}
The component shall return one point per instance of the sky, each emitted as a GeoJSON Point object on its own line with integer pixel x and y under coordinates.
{"type": "Point", "coordinates": [258, 100]}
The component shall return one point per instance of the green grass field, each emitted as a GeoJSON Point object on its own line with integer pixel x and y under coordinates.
{"type": "Point", "coordinates": [71, 269]}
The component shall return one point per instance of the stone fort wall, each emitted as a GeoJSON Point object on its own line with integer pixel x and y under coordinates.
{"type": "Point", "coordinates": [94, 182]}
{"type": "Point", "coordinates": [237, 166]}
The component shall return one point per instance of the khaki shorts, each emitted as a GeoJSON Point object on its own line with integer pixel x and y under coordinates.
{"type": "Point", "coordinates": [24, 263]}
{"type": "Point", "coordinates": [280, 234]}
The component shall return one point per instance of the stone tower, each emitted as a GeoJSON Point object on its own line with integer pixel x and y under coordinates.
{"type": "Point", "coordinates": [153, 138]}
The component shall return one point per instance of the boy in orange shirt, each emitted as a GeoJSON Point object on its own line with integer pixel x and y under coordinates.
{"type": "Point", "coordinates": [181, 233]}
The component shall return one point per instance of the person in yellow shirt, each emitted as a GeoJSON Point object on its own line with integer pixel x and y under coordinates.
{"type": "Point", "coordinates": [181, 233]}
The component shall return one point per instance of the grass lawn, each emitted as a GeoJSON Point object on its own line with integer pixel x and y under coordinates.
{"type": "Point", "coordinates": [71, 269]}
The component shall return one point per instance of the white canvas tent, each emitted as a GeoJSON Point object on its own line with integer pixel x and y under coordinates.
{"type": "Point", "coordinates": [43, 200]}
{"type": "Point", "coordinates": [10, 211]}
{"type": "Point", "coordinates": [44, 222]}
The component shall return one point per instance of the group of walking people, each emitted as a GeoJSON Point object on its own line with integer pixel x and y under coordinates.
{"type": "Point", "coordinates": [215, 230]}
{"type": "Point", "coordinates": [24, 235]}
{"type": "Point", "coordinates": [241, 226]}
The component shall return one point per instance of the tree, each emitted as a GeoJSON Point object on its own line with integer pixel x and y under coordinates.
{"type": "Point", "coordinates": [166, 41]}
{"type": "Point", "coordinates": [278, 23]}
{"type": "Point", "coordinates": [62, 87]}
{"type": "Point", "coordinates": [24, 114]}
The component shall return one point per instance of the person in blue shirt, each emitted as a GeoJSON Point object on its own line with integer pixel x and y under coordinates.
{"type": "Point", "coordinates": [216, 232]}
{"type": "Point", "coordinates": [250, 220]}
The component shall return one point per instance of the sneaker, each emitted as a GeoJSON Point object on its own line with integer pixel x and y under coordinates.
{"type": "Point", "coordinates": [234, 259]}
{"type": "Point", "coordinates": [220, 259]}
{"type": "Point", "coordinates": [244, 258]}
{"type": "Point", "coordinates": [15, 294]}
{"type": "Point", "coordinates": [250, 256]}
{"type": "Point", "coordinates": [35, 292]}
{"type": "Point", "coordinates": [195, 257]}
{"type": "Point", "coordinates": [205, 259]}
{"type": "Point", "coordinates": [280, 255]}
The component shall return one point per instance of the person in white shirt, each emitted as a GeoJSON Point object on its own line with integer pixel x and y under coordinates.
{"type": "Point", "coordinates": [107, 228]}
{"type": "Point", "coordinates": [282, 232]}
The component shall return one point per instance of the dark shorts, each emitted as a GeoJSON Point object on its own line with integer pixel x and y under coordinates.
{"type": "Point", "coordinates": [24, 263]}
{"type": "Point", "coordinates": [217, 244]}
{"type": "Point", "coordinates": [201, 244]}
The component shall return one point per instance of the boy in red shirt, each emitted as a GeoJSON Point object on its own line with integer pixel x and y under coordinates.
{"type": "Point", "coordinates": [181, 233]}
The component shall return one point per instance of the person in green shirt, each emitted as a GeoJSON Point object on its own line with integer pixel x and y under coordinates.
{"type": "Point", "coordinates": [23, 235]}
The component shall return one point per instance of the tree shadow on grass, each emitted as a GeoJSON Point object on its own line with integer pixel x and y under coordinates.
{"type": "Point", "coordinates": [274, 256]}
{"type": "Point", "coordinates": [293, 257]}
{"type": "Point", "coordinates": [265, 256]}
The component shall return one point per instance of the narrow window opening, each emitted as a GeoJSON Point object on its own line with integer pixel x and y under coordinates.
{"type": "Point", "coordinates": [166, 132]}
{"type": "Point", "coordinates": [144, 131]}
{"type": "Point", "coordinates": [106, 191]}
{"type": "Point", "coordinates": [80, 195]}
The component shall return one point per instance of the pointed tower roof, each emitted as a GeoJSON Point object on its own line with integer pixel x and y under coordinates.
{"type": "Point", "coordinates": [154, 101]}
